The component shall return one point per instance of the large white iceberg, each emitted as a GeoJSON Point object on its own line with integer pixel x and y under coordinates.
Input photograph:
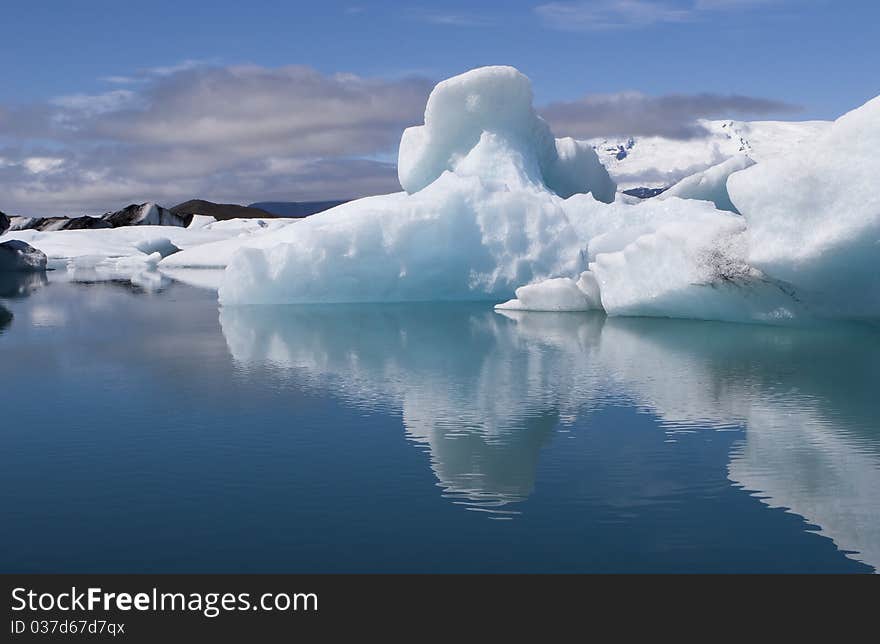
{"type": "Point", "coordinates": [814, 215]}
{"type": "Point", "coordinates": [482, 212]}
{"type": "Point", "coordinates": [493, 205]}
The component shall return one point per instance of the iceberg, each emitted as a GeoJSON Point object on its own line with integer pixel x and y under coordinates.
{"type": "Point", "coordinates": [495, 208]}
{"type": "Point", "coordinates": [17, 256]}
{"type": "Point", "coordinates": [483, 211]}
{"type": "Point", "coordinates": [814, 215]}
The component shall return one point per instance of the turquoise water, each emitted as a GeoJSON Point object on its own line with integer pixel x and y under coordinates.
{"type": "Point", "coordinates": [155, 432]}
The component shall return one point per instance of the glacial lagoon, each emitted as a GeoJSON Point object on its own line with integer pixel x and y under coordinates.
{"type": "Point", "coordinates": [147, 429]}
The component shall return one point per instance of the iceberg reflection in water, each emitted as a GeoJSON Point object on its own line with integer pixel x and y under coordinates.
{"type": "Point", "coordinates": [484, 392]}
{"type": "Point", "coordinates": [471, 387]}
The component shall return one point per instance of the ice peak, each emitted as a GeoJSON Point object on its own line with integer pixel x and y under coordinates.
{"type": "Point", "coordinates": [495, 100]}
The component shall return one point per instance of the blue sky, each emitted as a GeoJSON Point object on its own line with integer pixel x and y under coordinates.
{"type": "Point", "coordinates": [92, 60]}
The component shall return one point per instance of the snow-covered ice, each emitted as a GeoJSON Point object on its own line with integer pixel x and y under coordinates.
{"type": "Point", "coordinates": [654, 161]}
{"type": "Point", "coordinates": [494, 206]}
{"type": "Point", "coordinates": [495, 101]}
{"type": "Point", "coordinates": [814, 215]}
{"type": "Point", "coordinates": [137, 243]}
{"type": "Point", "coordinates": [200, 221]}
{"type": "Point", "coordinates": [479, 216]}
{"type": "Point", "coordinates": [710, 184]}
{"type": "Point", "coordinates": [557, 294]}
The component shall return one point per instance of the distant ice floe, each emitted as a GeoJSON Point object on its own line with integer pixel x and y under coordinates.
{"type": "Point", "coordinates": [143, 252]}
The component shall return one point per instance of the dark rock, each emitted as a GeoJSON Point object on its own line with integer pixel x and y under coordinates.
{"type": "Point", "coordinates": [5, 318]}
{"type": "Point", "coordinates": [644, 193]}
{"type": "Point", "coordinates": [296, 208]}
{"type": "Point", "coordinates": [47, 224]}
{"type": "Point", "coordinates": [145, 214]}
{"type": "Point", "coordinates": [219, 211]}
{"type": "Point", "coordinates": [4, 222]}
{"type": "Point", "coordinates": [22, 223]}
{"type": "Point", "coordinates": [17, 256]}
{"type": "Point", "coordinates": [86, 223]}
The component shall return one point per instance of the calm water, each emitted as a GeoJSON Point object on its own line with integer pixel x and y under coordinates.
{"type": "Point", "coordinates": [152, 431]}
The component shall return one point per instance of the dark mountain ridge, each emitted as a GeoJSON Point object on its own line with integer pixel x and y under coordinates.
{"type": "Point", "coordinates": [219, 211]}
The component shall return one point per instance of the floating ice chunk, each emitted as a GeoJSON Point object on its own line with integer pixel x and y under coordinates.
{"type": "Point", "coordinates": [149, 280]}
{"type": "Point", "coordinates": [90, 247]}
{"type": "Point", "coordinates": [814, 215]}
{"type": "Point", "coordinates": [18, 256]}
{"type": "Point", "coordinates": [711, 184]}
{"type": "Point", "coordinates": [557, 294]}
{"type": "Point", "coordinates": [161, 245]}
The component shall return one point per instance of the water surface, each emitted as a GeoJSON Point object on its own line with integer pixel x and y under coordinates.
{"type": "Point", "coordinates": [147, 430]}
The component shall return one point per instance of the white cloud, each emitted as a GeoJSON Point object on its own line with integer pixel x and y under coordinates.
{"type": "Point", "coordinates": [182, 66]}
{"type": "Point", "coordinates": [41, 165]}
{"type": "Point", "coordinates": [600, 15]}
{"type": "Point", "coordinates": [634, 113]}
{"type": "Point", "coordinates": [451, 19]}
{"type": "Point", "coordinates": [240, 134]}
{"type": "Point", "coordinates": [95, 104]}
{"type": "Point", "coordinates": [610, 14]}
